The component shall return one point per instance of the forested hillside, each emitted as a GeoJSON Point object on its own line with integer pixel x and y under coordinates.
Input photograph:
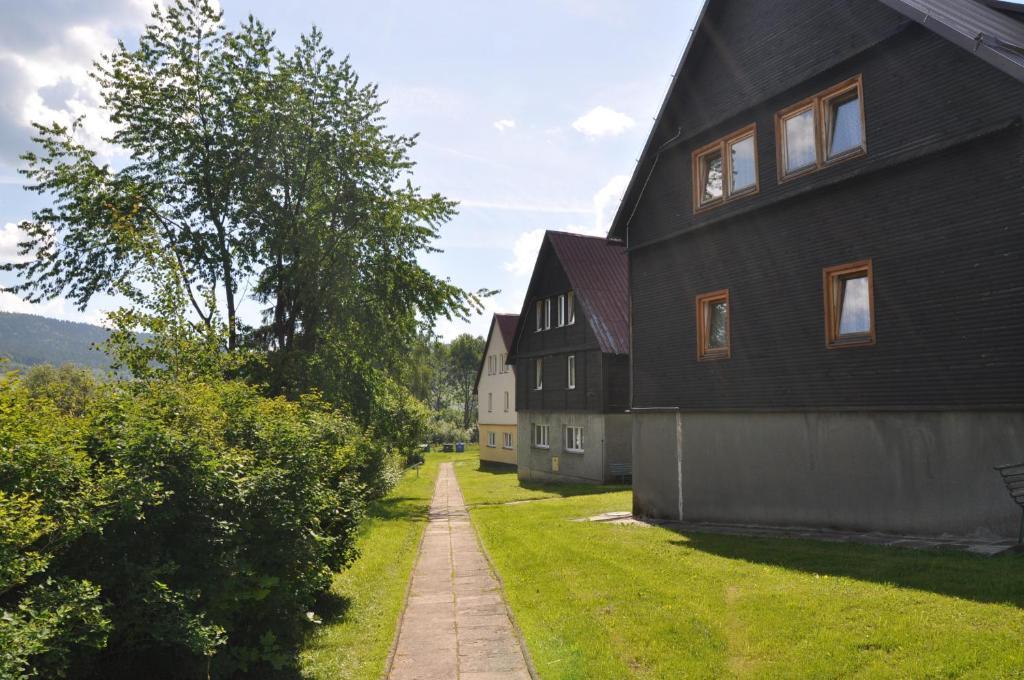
{"type": "Point", "coordinates": [27, 340]}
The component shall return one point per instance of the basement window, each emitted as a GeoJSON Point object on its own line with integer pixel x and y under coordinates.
{"type": "Point", "coordinates": [821, 130]}
{"type": "Point", "coordinates": [713, 326]}
{"type": "Point", "coordinates": [574, 439]}
{"type": "Point", "coordinates": [725, 169]}
{"type": "Point", "coordinates": [540, 436]}
{"type": "Point", "coordinates": [849, 305]}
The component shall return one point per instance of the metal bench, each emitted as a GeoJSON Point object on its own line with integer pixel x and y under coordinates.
{"type": "Point", "coordinates": [620, 471]}
{"type": "Point", "coordinates": [1013, 476]}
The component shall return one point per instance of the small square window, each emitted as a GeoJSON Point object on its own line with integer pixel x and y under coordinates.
{"type": "Point", "coordinates": [570, 302]}
{"type": "Point", "coordinates": [844, 123]}
{"type": "Point", "coordinates": [742, 164]}
{"type": "Point", "coordinates": [574, 439]}
{"type": "Point", "coordinates": [571, 369]}
{"type": "Point", "coordinates": [711, 172]}
{"type": "Point", "coordinates": [538, 378]}
{"type": "Point", "coordinates": [541, 436]}
{"type": "Point", "coordinates": [799, 141]}
{"type": "Point", "coordinates": [849, 305]}
{"type": "Point", "coordinates": [713, 340]}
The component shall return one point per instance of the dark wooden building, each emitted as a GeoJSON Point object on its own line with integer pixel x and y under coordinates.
{"type": "Point", "coordinates": [570, 353]}
{"type": "Point", "coordinates": [826, 250]}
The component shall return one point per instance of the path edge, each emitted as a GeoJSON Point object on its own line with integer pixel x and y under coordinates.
{"type": "Point", "coordinates": [501, 582]}
{"type": "Point", "coordinates": [408, 589]}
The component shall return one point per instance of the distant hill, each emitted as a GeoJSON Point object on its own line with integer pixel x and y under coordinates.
{"type": "Point", "coordinates": [27, 340]}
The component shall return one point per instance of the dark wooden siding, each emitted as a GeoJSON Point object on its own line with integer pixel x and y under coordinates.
{"type": "Point", "coordinates": [937, 205]}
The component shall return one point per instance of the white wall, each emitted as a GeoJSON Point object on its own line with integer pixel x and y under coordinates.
{"type": "Point", "coordinates": [496, 384]}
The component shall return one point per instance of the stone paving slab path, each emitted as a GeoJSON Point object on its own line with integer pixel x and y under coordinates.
{"type": "Point", "coordinates": [456, 624]}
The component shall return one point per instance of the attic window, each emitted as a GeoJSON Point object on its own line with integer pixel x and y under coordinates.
{"type": "Point", "coordinates": [725, 169]}
{"type": "Point", "coordinates": [849, 305]}
{"type": "Point", "coordinates": [547, 313]}
{"type": "Point", "coordinates": [561, 310]}
{"type": "Point", "coordinates": [540, 316]}
{"type": "Point", "coordinates": [713, 326]}
{"type": "Point", "coordinates": [570, 303]}
{"type": "Point", "coordinates": [821, 130]}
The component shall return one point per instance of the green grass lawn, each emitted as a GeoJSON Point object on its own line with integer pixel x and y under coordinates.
{"type": "Point", "coordinates": [366, 599]}
{"type": "Point", "coordinates": [604, 601]}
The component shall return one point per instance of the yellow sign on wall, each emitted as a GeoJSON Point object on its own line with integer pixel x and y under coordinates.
{"type": "Point", "coordinates": [554, 463]}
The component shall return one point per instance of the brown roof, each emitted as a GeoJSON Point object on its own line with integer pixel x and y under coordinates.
{"type": "Point", "coordinates": [598, 273]}
{"type": "Point", "coordinates": [507, 326]}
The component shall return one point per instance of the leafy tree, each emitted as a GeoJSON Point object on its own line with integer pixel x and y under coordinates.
{"type": "Point", "coordinates": [463, 365]}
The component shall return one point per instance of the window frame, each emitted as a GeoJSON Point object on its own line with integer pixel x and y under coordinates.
{"type": "Point", "coordinates": [506, 401]}
{"type": "Point", "coordinates": [540, 317]}
{"type": "Point", "coordinates": [704, 351]}
{"type": "Point", "coordinates": [722, 145]}
{"type": "Point", "coordinates": [817, 104]}
{"type": "Point", "coordinates": [833, 305]}
{"type": "Point", "coordinates": [538, 374]}
{"type": "Point", "coordinates": [561, 311]}
{"type": "Point", "coordinates": [570, 372]}
{"type": "Point", "coordinates": [538, 429]}
{"type": "Point", "coordinates": [576, 430]}
{"type": "Point", "coordinates": [547, 314]}
{"type": "Point", "coordinates": [570, 302]}
{"type": "Point", "coordinates": [490, 402]}
{"type": "Point", "coordinates": [507, 442]}
{"type": "Point", "coordinates": [492, 440]}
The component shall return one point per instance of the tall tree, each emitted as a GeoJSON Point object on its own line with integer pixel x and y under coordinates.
{"type": "Point", "coordinates": [465, 354]}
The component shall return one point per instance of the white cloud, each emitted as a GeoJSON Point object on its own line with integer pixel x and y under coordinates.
{"type": "Point", "coordinates": [604, 204]}
{"type": "Point", "coordinates": [10, 236]}
{"type": "Point", "coordinates": [602, 121]}
{"type": "Point", "coordinates": [46, 51]}
{"type": "Point", "coordinates": [504, 124]}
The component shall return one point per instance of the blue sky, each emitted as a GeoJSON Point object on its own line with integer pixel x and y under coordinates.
{"type": "Point", "coordinates": [531, 114]}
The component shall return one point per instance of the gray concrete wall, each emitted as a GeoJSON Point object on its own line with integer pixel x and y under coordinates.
{"type": "Point", "coordinates": [913, 473]}
{"type": "Point", "coordinates": [604, 436]}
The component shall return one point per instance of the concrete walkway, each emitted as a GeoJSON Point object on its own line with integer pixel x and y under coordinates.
{"type": "Point", "coordinates": [455, 623]}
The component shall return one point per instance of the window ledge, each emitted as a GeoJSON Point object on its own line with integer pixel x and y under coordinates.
{"type": "Point", "coordinates": [538, 446]}
{"type": "Point", "coordinates": [574, 451]}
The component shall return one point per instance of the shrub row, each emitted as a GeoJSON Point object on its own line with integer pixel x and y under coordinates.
{"type": "Point", "coordinates": [170, 528]}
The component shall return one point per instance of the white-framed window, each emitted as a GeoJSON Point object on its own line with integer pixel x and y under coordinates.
{"type": "Point", "coordinates": [538, 374]}
{"type": "Point", "coordinates": [506, 401]}
{"type": "Point", "coordinates": [492, 440]}
{"type": "Point", "coordinates": [561, 310]}
{"type": "Point", "coordinates": [540, 316]}
{"type": "Point", "coordinates": [570, 363]}
{"type": "Point", "coordinates": [547, 313]}
{"type": "Point", "coordinates": [570, 303]}
{"type": "Point", "coordinates": [490, 401]}
{"type": "Point", "coordinates": [501, 361]}
{"type": "Point", "coordinates": [541, 434]}
{"type": "Point", "coordinates": [574, 439]}
{"type": "Point", "coordinates": [508, 440]}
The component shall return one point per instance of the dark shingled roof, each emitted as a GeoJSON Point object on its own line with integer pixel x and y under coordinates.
{"type": "Point", "coordinates": [975, 25]}
{"type": "Point", "coordinates": [507, 326]}
{"type": "Point", "coordinates": [598, 273]}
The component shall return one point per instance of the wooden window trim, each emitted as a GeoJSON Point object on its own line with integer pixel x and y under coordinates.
{"type": "Point", "coordinates": [817, 103]}
{"type": "Point", "coordinates": [705, 353]}
{"type": "Point", "coordinates": [722, 146]}
{"type": "Point", "coordinates": [828, 276]}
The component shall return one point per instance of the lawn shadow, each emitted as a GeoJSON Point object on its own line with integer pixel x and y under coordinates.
{"type": "Point", "coordinates": [569, 490]}
{"type": "Point", "coordinates": [997, 580]}
{"type": "Point", "coordinates": [397, 507]}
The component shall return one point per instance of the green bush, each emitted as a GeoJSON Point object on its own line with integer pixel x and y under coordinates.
{"type": "Point", "coordinates": [172, 529]}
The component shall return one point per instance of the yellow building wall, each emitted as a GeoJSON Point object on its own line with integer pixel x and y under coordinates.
{"type": "Point", "coordinates": [498, 453]}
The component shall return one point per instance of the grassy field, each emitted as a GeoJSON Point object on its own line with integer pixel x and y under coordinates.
{"type": "Point", "coordinates": [602, 601]}
{"type": "Point", "coordinates": [366, 599]}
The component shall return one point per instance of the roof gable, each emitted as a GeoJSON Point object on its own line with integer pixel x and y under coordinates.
{"type": "Point", "coordinates": [598, 274]}
{"type": "Point", "coordinates": [974, 25]}
{"type": "Point", "coordinates": [505, 324]}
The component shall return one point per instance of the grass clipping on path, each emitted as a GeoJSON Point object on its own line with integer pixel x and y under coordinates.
{"type": "Point", "coordinates": [603, 601]}
{"type": "Point", "coordinates": [366, 599]}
